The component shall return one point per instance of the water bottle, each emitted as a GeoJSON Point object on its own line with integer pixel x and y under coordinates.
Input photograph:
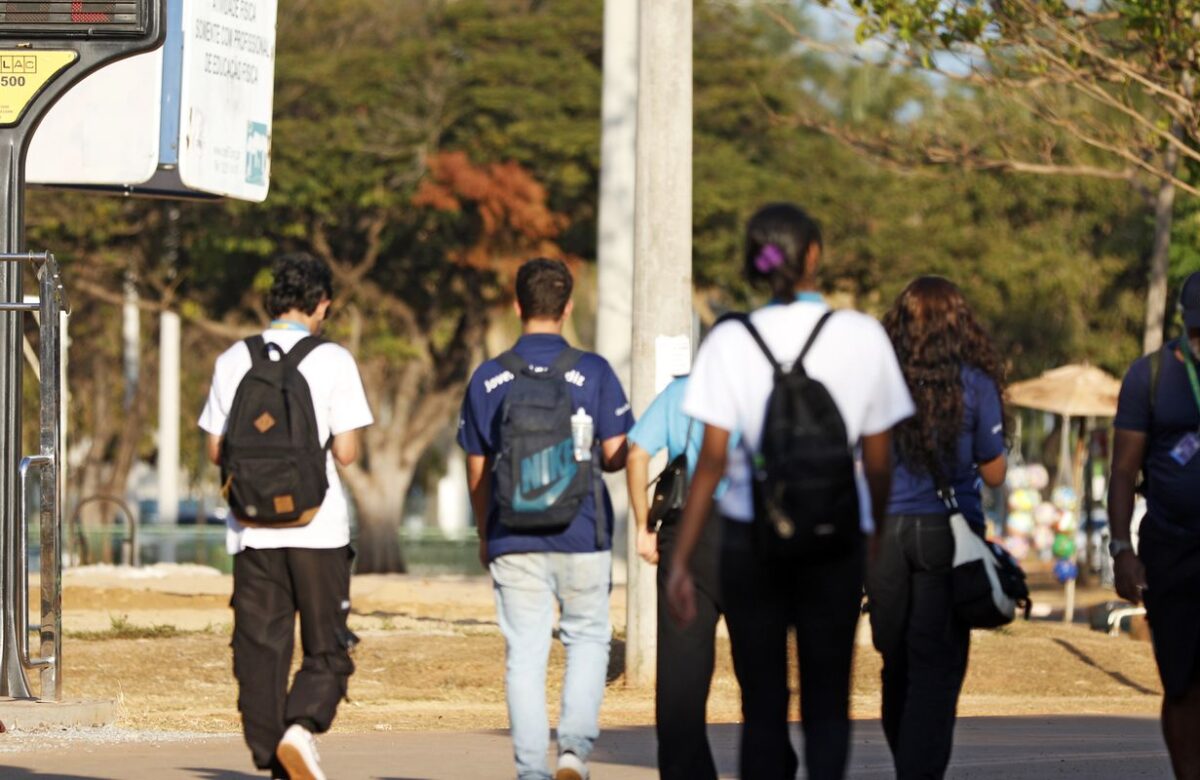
{"type": "Point", "coordinates": [583, 435]}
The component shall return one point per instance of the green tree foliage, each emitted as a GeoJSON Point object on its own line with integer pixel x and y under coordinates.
{"type": "Point", "coordinates": [1110, 84]}
{"type": "Point", "coordinates": [424, 148]}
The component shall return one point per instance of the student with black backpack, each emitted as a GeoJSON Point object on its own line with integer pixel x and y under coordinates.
{"type": "Point", "coordinates": [539, 424]}
{"type": "Point", "coordinates": [284, 407]}
{"type": "Point", "coordinates": [812, 392]}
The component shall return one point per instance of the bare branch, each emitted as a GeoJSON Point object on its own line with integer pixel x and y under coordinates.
{"type": "Point", "coordinates": [230, 331]}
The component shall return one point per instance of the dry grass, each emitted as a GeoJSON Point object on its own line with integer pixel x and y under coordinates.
{"type": "Point", "coordinates": [432, 658]}
{"type": "Point", "coordinates": [453, 679]}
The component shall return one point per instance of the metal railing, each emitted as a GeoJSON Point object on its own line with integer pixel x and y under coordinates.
{"type": "Point", "coordinates": [47, 462]}
{"type": "Point", "coordinates": [130, 547]}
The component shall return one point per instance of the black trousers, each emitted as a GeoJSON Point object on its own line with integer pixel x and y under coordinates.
{"type": "Point", "coordinates": [269, 588]}
{"type": "Point", "coordinates": [924, 647]}
{"type": "Point", "coordinates": [765, 598]}
{"type": "Point", "coordinates": [685, 662]}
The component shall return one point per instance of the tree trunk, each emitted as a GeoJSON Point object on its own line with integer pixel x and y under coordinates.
{"type": "Point", "coordinates": [380, 498]}
{"type": "Point", "coordinates": [1160, 256]}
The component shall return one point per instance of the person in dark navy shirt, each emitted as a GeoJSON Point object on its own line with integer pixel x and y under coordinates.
{"type": "Point", "coordinates": [594, 387]}
{"type": "Point", "coordinates": [571, 567]}
{"type": "Point", "coordinates": [957, 440]}
{"type": "Point", "coordinates": [1158, 434]}
{"type": "Point", "coordinates": [980, 440]}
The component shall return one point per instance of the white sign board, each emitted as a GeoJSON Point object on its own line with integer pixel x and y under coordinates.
{"type": "Point", "coordinates": [672, 358]}
{"type": "Point", "coordinates": [105, 130]}
{"type": "Point", "coordinates": [226, 96]}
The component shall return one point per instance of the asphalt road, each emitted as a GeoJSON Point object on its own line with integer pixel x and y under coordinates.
{"type": "Point", "coordinates": [1097, 748]}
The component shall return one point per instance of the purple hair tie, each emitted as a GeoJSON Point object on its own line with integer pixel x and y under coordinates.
{"type": "Point", "coordinates": [769, 258]}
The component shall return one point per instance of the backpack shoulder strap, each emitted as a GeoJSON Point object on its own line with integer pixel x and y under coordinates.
{"type": "Point", "coordinates": [566, 360]}
{"type": "Point", "coordinates": [1156, 359]}
{"type": "Point", "coordinates": [798, 366]}
{"type": "Point", "coordinates": [302, 349]}
{"type": "Point", "coordinates": [812, 337]}
{"type": "Point", "coordinates": [257, 346]}
{"type": "Point", "coordinates": [744, 319]}
{"type": "Point", "coordinates": [513, 362]}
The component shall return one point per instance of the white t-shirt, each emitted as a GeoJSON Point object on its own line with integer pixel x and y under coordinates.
{"type": "Point", "coordinates": [340, 404]}
{"type": "Point", "coordinates": [853, 357]}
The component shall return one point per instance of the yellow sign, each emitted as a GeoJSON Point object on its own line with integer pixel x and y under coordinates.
{"type": "Point", "coordinates": [23, 73]}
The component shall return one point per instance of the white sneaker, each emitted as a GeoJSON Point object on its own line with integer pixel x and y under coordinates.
{"type": "Point", "coordinates": [297, 751]}
{"type": "Point", "coordinates": [571, 767]}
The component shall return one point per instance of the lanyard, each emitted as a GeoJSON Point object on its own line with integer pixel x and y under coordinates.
{"type": "Point", "coordinates": [805, 296]}
{"type": "Point", "coordinates": [287, 325]}
{"type": "Point", "coordinates": [1189, 361]}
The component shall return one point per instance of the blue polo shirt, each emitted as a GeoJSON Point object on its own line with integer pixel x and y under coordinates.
{"type": "Point", "coordinates": [664, 426]}
{"type": "Point", "coordinates": [914, 491]}
{"type": "Point", "coordinates": [594, 386]}
{"type": "Point", "coordinates": [1172, 490]}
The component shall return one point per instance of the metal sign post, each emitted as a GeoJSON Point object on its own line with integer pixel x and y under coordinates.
{"type": "Point", "coordinates": [46, 46]}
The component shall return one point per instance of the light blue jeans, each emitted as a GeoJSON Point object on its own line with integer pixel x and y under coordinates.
{"type": "Point", "coordinates": [527, 585]}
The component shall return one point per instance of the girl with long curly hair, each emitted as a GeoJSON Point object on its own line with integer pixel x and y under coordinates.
{"type": "Point", "coordinates": [956, 440]}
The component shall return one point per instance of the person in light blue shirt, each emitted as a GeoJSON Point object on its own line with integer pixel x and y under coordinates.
{"type": "Point", "coordinates": [685, 654]}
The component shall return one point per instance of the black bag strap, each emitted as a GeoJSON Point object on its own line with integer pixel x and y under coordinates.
{"type": "Point", "coordinates": [798, 367]}
{"type": "Point", "coordinates": [744, 319]}
{"type": "Point", "coordinates": [601, 513]}
{"type": "Point", "coordinates": [302, 349]}
{"type": "Point", "coordinates": [258, 349]}
{"type": "Point", "coordinates": [945, 491]}
{"type": "Point", "coordinates": [513, 362]}
{"type": "Point", "coordinates": [566, 360]}
{"type": "Point", "coordinates": [1156, 359]}
{"type": "Point", "coordinates": [684, 454]}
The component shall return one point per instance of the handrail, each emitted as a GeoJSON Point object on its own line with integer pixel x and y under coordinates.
{"type": "Point", "coordinates": [46, 463]}
{"type": "Point", "coordinates": [49, 307]}
{"type": "Point", "coordinates": [130, 518]}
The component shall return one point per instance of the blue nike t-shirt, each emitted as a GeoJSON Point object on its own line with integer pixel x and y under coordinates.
{"type": "Point", "coordinates": [594, 387]}
{"type": "Point", "coordinates": [1172, 494]}
{"type": "Point", "coordinates": [980, 440]}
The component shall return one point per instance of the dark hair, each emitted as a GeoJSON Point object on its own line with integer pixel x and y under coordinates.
{"type": "Point", "coordinates": [935, 334]}
{"type": "Point", "coordinates": [543, 289]}
{"type": "Point", "coordinates": [298, 281]}
{"type": "Point", "coordinates": [778, 239]}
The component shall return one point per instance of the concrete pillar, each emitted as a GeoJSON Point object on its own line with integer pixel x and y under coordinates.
{"type": "Point", "coordinates": [614, 267]}
{"type": "Point", "coordinates": [662, 289]}
{"type": "Point", "coordinates": [168, 418]}
{"type": "Point", "coordinates": [453, 500]}
{"type": "Point", "coordinates": [131, 345]}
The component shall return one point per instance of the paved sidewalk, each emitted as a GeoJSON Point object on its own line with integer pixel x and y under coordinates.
{"type": "Point", "coordinates": [1097, 748]}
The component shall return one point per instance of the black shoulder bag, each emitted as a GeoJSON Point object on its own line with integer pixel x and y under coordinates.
{"type": "Point", "coordinates": [670, 489]}
{"type": "Point", "coordinates": [987, 583]}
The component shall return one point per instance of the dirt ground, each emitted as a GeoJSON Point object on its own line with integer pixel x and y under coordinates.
{"type": "Point", "coordinates": [432, 657]}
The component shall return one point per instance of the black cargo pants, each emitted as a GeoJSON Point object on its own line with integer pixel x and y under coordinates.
{"type": "Point", "coordinates": [269, 588]}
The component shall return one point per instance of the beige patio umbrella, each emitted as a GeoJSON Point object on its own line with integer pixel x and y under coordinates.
{"type": "Point", "coordinates": [1076, 390]}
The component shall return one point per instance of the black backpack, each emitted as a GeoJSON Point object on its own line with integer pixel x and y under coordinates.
{"type": "Point", "coordinates": [272, 459]}
{"type": "Point", "coordinates": [806, 503]}
{"type": "Point", "coordinates": [539, 483]}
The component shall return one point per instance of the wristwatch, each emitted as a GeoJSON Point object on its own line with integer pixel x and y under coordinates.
{"type": "Point", "coordinates": [1118, 546]}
